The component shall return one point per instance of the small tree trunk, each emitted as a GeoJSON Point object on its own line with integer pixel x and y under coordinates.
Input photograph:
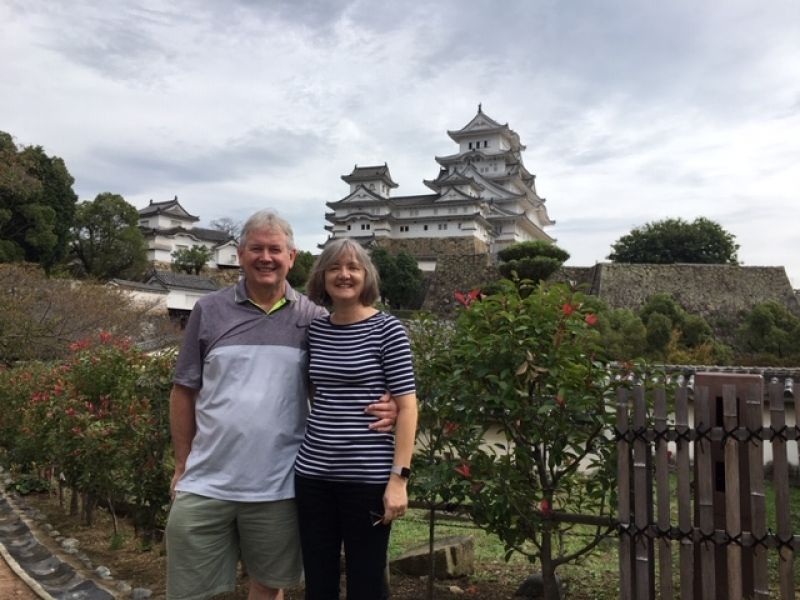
{"type": "Point", "coordinates": [113, 515]}
{"type": "Point", "coordinates": [89, 502]}
{"type": "Point", "coordinates": [73, 503]}
{"type": "Point", "coordinates": [431, 557]}
{"type": "Point", "coordinates": [551, 591]}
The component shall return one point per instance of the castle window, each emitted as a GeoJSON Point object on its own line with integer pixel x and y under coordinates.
{"type": "Point", "coordinates": [403, 227]}
{"type": "Point", "coordinates": [442, 226]}
{"type": "Point", "coordinates": [365, 226]}
{"type": "Point", "coordinates": [470, 145]}
{"type": "Point", "coordinates": [485, 144]}
{"type": "Point", "coordinates": [425, 227]}
{"type": "Point", "coordinates": [348, 228]}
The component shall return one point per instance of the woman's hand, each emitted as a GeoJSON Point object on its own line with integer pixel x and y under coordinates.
{"type": "Point", "coordinates": [395, 499]}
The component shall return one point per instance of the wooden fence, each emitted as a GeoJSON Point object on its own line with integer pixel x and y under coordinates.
{"type": "Point", "coordinates": [717, 543]}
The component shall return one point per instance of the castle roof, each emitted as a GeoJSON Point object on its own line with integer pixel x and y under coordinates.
{"type": "Point", "coordinates": [172, 208]}
{"type": "Point", "coordinates": [171, 279]}
{"type": "Point", "coordinates": [215, 236]}
{"type": "Point", "coordinates": [482, 124]}
{"type": "Point", "coordinates": [373, 173]}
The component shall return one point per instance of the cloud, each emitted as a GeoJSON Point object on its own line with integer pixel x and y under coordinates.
{"type": "Point", "coordinates": [630, 111]}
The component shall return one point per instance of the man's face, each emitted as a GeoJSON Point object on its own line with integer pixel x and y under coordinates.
{"type": "Point", "coordinates": [265, 258]}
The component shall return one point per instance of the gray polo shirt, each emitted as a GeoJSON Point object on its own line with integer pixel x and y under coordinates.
{"type": "Point", "coordinates": [251, 372]}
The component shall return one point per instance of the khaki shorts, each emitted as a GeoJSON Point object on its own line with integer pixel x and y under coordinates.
{"type": "Point", "coordinates": [206, 537]}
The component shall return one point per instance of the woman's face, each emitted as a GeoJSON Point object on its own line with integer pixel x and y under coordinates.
{"type": "Point", "coordinates": [344, 279]}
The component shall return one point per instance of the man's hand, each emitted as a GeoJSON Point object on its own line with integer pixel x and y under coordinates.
{"type": "Point", "coordinates": [175, 477]}
{"type": "Point", "coordinates": [385, 411]}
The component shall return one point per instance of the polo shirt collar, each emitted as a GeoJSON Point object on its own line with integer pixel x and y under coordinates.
{"type": "Point", "coordinates": [240, 293]}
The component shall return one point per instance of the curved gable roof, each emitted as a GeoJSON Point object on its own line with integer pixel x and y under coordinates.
{"type": "Point", "coordinates": [373, 173]}
{"type": "Point", "coordinates": [172, 208]}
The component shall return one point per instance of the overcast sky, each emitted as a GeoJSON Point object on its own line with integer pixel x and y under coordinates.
{"type": "Point", "coordinates": [631, 111]}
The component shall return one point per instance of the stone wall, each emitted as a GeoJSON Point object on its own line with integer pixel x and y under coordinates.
{"type": "Point", "coordinates": [435, 247]}
{"type": "Point", "coordinates": [457, 273]}
{"type": "Point", "coordinates": [717, 292]}
{"type": "Point", "coordinates": [714, 291]}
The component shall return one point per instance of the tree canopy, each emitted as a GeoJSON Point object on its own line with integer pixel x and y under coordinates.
{"type": "Point", "coordinates": [770, 329]}
{"type": "Point", "coordinates": [37, 204]}
{"type": "Point", "coordinates": [190, 260]}
{"type": "Point", "coordinates": [40, 317]}
{"type": "Point", "coordinates": [677, 241]}
{"type": "Point", "coordinates": [400, 278]}
{"type": "Point", "coordinates": [106, 238]}
{"type": "Point", "coordinates": [535, 260]}
{"type": "Point", "coordinates": [298, 274]}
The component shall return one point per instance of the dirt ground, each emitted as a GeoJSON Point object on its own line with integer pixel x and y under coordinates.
{"type": "Point", "coordinates": [129, 562]}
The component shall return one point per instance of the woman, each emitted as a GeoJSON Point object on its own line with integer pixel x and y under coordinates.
{"type": "Point", "coordinates": [350, 481]}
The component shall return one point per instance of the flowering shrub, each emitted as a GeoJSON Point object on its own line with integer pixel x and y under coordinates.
{"type": "Point", "coordinates": [100, 420]}
{"type": "Point", "coordinates": [521, 367]}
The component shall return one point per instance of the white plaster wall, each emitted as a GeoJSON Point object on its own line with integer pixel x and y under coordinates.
{"type": "Point", "coordinates": [183, 300]}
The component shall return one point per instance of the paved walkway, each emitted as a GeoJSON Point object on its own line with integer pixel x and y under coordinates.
{"type": "Point", "coordinates": [12, 587]}
{"type": "Point", "coordinates": [26, 562]}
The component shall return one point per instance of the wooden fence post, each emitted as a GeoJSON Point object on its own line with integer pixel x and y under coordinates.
{"type": "Point", "coordinates": [624, 497]}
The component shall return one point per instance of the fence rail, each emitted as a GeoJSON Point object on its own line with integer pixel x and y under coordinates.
{"type": "Point", "coordinates": [721, 532]}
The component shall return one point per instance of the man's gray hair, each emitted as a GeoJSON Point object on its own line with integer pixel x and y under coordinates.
{"type": "Point", "coordinates": [267, 219]}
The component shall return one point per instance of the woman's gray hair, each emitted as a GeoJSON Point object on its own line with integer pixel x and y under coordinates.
{"type": "Point", "coordinates": [315, 287]}
{"type": "Point", "coordinates": [267, 219]}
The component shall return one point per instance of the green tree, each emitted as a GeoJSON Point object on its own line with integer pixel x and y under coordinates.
{"type": "Point", "coordinates": [298, 274]}
{"type": "Point", "coordinates": [106, 238]}
{"type": "Point", "coordinates": [535, 260]}
{"type": "Point", "coordinates": [770, 328]}
{"type": "Point", "coordinates": [525, 363]}
{"type": "Point", "coordinates": [659, 333]}
{"type": "Point", "coordinates": [401, 278]}
{"type": "Point", "coordinates": [677, 336]}
{"type": "Point", "coordinates": [190, 260]}
{"type": "Point", "coordinates": [677, 241]}
{"type": "Point", "coordinates": [37, 204]}
{"type": "Point", "coordinates": [432, 483]}
{"type": "Point", "coordinates": [624, 334]}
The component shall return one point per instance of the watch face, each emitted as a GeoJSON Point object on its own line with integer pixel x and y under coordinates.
{"type": "Point", "coordinates": [403, 472]}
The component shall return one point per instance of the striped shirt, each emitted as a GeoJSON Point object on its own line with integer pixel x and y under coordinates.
{"type": "Point", "coordinates": [351, 366]}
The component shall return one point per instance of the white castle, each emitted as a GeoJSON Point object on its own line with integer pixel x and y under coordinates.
{"type": "Point", "coordinates": [484, 199]}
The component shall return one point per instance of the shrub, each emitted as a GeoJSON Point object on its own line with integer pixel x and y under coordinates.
{"type": "Point", "coordinates": [525, 362]}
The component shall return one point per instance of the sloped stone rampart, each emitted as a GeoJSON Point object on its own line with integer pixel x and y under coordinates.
{"type": "Point", "coordinates": [709, 290]}
{"type": "Point", "coordinates": [717, 292]}
{"type": "Point", "coordinates": [457, 273]}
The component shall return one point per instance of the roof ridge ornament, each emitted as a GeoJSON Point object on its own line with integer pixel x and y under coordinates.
{"type": "Point", "coordinates": [480, 107]}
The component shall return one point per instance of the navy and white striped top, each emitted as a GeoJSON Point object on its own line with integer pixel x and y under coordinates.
{"type": "Point", "coordinates": [351, 366]}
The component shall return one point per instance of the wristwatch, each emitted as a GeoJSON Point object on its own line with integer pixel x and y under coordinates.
{"type": "Point", "coordinates": [403, 472]}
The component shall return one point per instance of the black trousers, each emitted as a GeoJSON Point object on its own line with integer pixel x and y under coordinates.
{"type": "Point", "coordinates": [333, 513]}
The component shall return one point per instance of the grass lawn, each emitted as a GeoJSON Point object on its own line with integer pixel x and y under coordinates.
{"type": "Point", "coordinates": [595, 576]}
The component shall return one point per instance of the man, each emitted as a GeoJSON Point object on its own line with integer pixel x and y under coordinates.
{"type": "Point", "coordinates": [237, 409]}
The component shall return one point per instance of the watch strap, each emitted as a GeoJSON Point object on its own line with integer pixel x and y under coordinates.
{"type": "Point", "coordinates": [403, 472]}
